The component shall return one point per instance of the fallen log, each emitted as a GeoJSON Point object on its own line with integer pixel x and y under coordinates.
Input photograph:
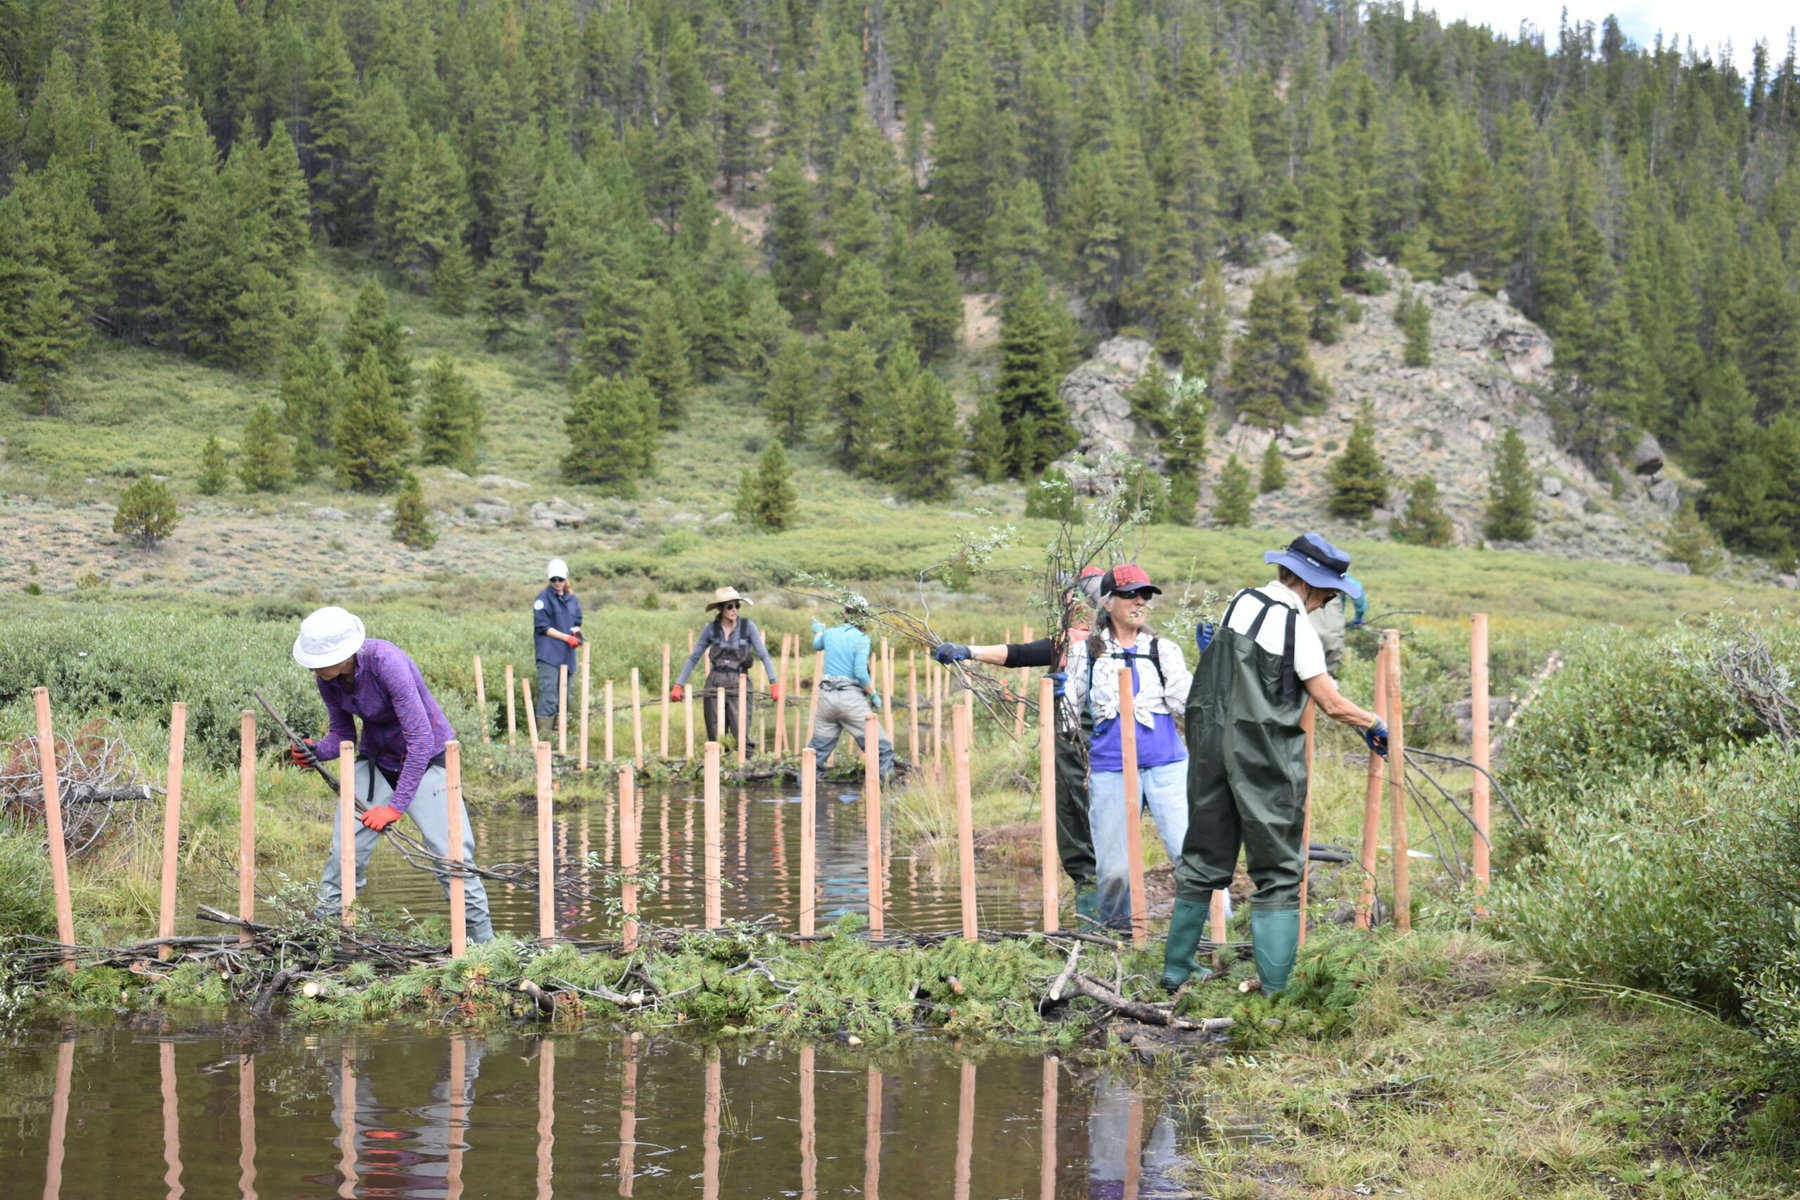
{"type": "Point", "coordinates": [1148, 1014]}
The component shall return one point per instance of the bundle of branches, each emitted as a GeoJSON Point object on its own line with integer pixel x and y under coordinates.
{"type": "Point", "coordinates": [97, 776]}
{"type": "Point", "coordinates": [1742, 657]}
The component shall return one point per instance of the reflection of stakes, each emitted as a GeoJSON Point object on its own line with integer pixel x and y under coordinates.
{"type": "Point", "coordinates": [53, 823]}
{"type": "Point", "coordinates": [346, 1125]}
{"type": "Point", "coordinates": [453, 817]}
{"type": "Point", "coordinates": [512, 721]}
{"type": "Point", "coordinates": [247, 1126]}
{"type": "Point", "coordinates": [1134, 1141]}
{"type": "Point", "coordinates": [347, 825]}
{"type": "Point", "coordinates": [809, 808]}
{"type": "Point", "coordinates": [546, 1116]}
{"type": "Point", "coordinates": [530, 710]}
{"type": "Point", "coordinates": [628, 1115]}
{"type": "Point", "coordinates": [1397, 789]}
{"type": "Point", "coordinates": [165, 911]}
{"type": "Point", "coordinates": [962, 721]}
{"type": "Point", "coordinates": [1134, 834]}
{"type": "Point", "coordinates": [872, 1138]}
{"type": "Point", "coordinates": [1047, 800]}
{"type": "Point", "coordinates": [809, 1143]}
{"type": "Point", "coordinates": [1308, 722]}
{"type": "Point", "coordinates": [712, 1101]}
{"type": "Point", "coordinates": [453, 1184]}
{"type": "Point", "coordinates": [628, 854]}
{"type": "Point", "coordinates": [171, 1118]}
{"type": "Point", "coordinates": [1478, 753]}
{"type": "Point", "coordinates": [872, 815]}
{"type": "Point", "coordinates": [59, 1118]}
{"type": "Point", "coordinates": [546, 847]}
{"type": "Point", "coordinates": [481, 698]}
{"type": "Point", "coordinates": [710, 794]}
{"type": "Point", "coordinates": [965, 1129]}
{"type": "Point", "coordinates": [1047, 1128]}
{"type": "Point", "coordinates": [1365, 900]}
{"type": "Point", "coordinates": [246, 905]}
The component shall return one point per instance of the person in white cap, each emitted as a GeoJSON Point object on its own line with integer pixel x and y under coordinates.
{"type": "Point", "coordinates": [556, 621]}
{"type": "Point", "coordinates": [400, 760]}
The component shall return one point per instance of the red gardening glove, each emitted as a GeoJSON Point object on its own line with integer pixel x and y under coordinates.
{"type": "Point", "coordinates": [305, 757]}
{"type": "Point", "coordinates": [675, 693]}
{"type": "Point", "coordinates": [571, 639]}
{"type": "Point", "coordinates": [775, 691]}
{"type": "Point", "coordinates": [380, 817]}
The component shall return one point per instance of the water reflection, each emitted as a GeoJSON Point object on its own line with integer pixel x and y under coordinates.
{"type": "Point", "coordinates": [418, 1114]}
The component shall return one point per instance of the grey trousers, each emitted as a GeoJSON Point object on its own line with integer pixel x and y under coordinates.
{"type": "Point", "coordinates": [841, 711]}
{"type": "Point", "coordinates": [430, 811]}
{"type": "Point", "coordinates": [549, 697]}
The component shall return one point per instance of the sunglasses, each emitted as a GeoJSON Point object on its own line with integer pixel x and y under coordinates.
{"type": "Point", "coordinates": [1144, 594]}
{"type": "Point", "coordinates": [728, 607]}
{"type": "Point", "coordinates": [558, 579]}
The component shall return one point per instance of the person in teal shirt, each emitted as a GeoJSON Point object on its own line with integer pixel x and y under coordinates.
{"type": "Point", "coordinates": [847, 693]}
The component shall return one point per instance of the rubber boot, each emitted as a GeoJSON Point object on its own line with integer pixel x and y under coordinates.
{"type": "Point", "coordinates": [1087, 906]}
{"type": "Point", "coordinates": [1275, 936]}
{"type": "Point", "coordinates": [1186, 926]}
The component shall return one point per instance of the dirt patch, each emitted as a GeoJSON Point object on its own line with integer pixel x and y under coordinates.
{"type": "Point", "coordinates": [981, 322]}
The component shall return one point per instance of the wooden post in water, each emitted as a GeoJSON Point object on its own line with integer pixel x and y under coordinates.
{"type": "Point", "coordinates": [453, 850]}
{"type": "Point", "coordinates": [546, 847]}
{"type": "Point", "coordinates": [347, 1123]}
{"type": "Point", "coordinates": [637, 722]}
{"type": "Point", "coordinates": [459, 1063]}
{"type": "Point", "coordinates": [246, 905]}
{"type": "Point", "coordinates": [608, 714]}
{"type": "Point", "coordinates": [628, 1116]}
{"type": "Point", "coordinates": [1134, 803]}
{"type": "Point", "coordinates": [347, 827]}
{"type": "Point", "coordinates": [1371, 833]}
{"type": "Point", "coordinates": [872, 1138]}
{"type": "Point", "coordinates": [57, 1150]}
{"type": "Point", "coordinates": [663, 708]}
{"type": "Point", "coordinates": [586, 696]}
{"type": "Point", "coordinates": [1047, 801]}
{"type": "Point", "coordinates": [546, 1116]}
{"type": "Point", "coordinates": [53, 824]}
{"type": "Point", "coordinates": [530, 710]}
{"type": "Point", "coordinates": [512, 722]}
{"type": "Point", "coordinates": [171, 1119]}
{"type": "Point", "coordinates": [710, 862]}
{"type": "Point", "coordinates": [562, 710]}
{"type": "Point", "coordinates": [628, 854]}
{"type": "Point", "coordinates": [1047, 1125]}
{"type": "Point", "coordinates": [872, 822]}
{"type": "Point", "coordinates": [962, 731]}
{"type": "Point", "coordinates": [809, 1135]}
{"type": "Point", "coordinates": [171, 841]}
{"type": "Point", "coordinates": [1397, 790]}
{"type": "Point", "coordinates": [480, 701]}
{"type": "Point", "coordinates": [246, 1090]}
{"type": "Point", "coordinates": [1478, 754]}
{"type": "Point", "coordinates": [809, 814]}
{"type": "Point", "coordinates": [743, 717]}
{"type": "Point", "coordinates": [965, 1129]}
{"type": "Point", "coordinates": [712, 1105]}
{"type": "Point", "coordinates": [1309, 717]}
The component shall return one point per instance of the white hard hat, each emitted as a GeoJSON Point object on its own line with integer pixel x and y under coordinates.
{"type": "Point", "coordinates": [558, 569]}
{"type": "Point", "coordinates": [328, 637]}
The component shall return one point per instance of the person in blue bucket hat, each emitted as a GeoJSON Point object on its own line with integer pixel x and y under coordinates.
{"type": "Point", "coordinates": [1247, 756]}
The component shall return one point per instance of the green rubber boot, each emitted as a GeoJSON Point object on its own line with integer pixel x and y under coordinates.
{"type": "Point", "coordinates": [1087, 906]}
{"type": "Point", "coordinates": [1275, 937]}
{"type": "Point", "coordinates": [1186, 926]}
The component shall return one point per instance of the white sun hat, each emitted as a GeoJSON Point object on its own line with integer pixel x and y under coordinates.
{"type": "Point", "coordinates": [328, 637]}
{"type": "Point", "coordinates": [558, 569]}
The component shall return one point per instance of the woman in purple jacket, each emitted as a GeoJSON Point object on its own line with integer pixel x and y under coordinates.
{"type": "Point", "coordinates": [400, 760]}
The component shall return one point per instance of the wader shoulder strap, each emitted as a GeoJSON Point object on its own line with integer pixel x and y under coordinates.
{"type": "Point", "coordinates": [1290, 679]}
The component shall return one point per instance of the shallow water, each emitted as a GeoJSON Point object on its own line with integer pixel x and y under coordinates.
{"type": "Point", "coordinates": [133, 1111]}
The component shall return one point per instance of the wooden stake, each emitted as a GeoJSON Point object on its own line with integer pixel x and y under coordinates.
{"type": "Point", "coordinates": [637, 722]}
{"type": "Point", "coordinates": [530, 709]}
{"type": "Point", "coordinates": [743, 717]}
{"type": "Point", "coordinates": [546, 847]}
{"type": "Point", "coordinates": [809, 810]}
{"type": "Point", "coordinates": [663, 715]}
{"type": "Point", "coordinates": [562, 710]}
{"type": "Point", "coordinates": [687, 708]}
{"type": "Point", "coordinates": [53, 821]}
{"type": "Point", "coordinates": [939, 684]}
{"type": "Point", "coordinates": [781, 670]}
{"type": "Point", "coordinates": [962, 729]}
{"type": "Point", "coordinates": [480, 705]}
{"type": "Point", "coordinates": [812, 715]}
{"type": "Point", "coordinates": [347, 827]}
{"type": "Point", "coordinates": [1220, 928]}
{"type": "Point", "coordinates": [1478, 753]}
{"type": "Point", "coordinates": [711, 797]}
{"type": "Point", "coordinates": [1397, 791]}
{"type": "Point", "coordinates": [628, 854]}
{"type": "Point", "coordinates": [1024, 687]}
{"type": "Point", "coordinates": [718, 729]}
{"type": "Point", "coordinates": [912, 705]}
{"type": "Point", "coordinates": [1047, 801]}
{"type": "Point", "coordinates": [872, 823]}
{"type": "Point", "coordinates": [512, 723]}
{"type": "Point", "coordinates": [453, 819]}
{"type": "Point", "coordinates": [887, 688]}
{"type": "Point", "coordinates": [1134, 802]}
{"type": "Point", "coordinates": [607, 700]}
{"type": "Point", "coordinates": [246, 905]}
{"type": "Point", "coordinates": [165, 918]}
{"type": "Point", "coordinates": [1308, 720]}
{"type": "Point", "coordinates": [1371, 834]}
{"type": "Point", "coordinates": [586, 695]}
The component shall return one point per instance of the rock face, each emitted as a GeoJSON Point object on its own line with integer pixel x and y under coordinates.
{"type": "Point", "coordinates": [1490, 368]}
{"type": "Point", "coordinates": [556, 513]}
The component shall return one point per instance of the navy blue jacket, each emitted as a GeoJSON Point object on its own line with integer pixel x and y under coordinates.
{"type": "Point", "coordinates": [551, 611]}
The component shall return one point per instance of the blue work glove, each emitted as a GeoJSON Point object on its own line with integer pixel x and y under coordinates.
{"type": "Point", "coordinates": [875, 701]}
{"type": "Point", "coordinates": [949, 652]}
{"type": "Point", "coordinates": [818, 627]}
{"type": "Point", "coordinates": [1376, 736]}
{"type": "Point", "coordinates": [1060, 679]}
{"type": "Point", "coordinates": [1203, 635]}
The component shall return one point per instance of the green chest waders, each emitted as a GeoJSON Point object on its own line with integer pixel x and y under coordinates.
{"type": "Point", "coordinates": [1246, 787]}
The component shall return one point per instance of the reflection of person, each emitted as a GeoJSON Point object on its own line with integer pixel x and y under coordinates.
{"type": "Point", "coordinates": [405, 1150]}
{"type": "Point", "coordinates": [1111, 1123]}
{"type": "Point", "coordinates": [1074, 839]}
{"type": "Point", "coordinates": [1329, 620]}
{"type": "Point", "coordinates": [847, 693]}
{"type": "Point", "coordinates": [1120, 637]}
{"type": "Point", "coordinates": [734, 641]}
{"type": "Point", "coordinates": [1247, 776]}
{"type": "Point", "coordinates": [556, 624]}
{"type": "Point", "coordinates": [400, 761]}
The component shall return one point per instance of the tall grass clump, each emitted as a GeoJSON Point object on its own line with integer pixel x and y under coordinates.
{"type": "Point", "coordinates": [24, 886]}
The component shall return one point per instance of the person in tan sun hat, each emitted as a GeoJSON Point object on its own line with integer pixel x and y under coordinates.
{"type": "Point", "coordinates": [733, 640]}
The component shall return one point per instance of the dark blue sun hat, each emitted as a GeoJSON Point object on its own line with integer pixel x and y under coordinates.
{"type": "Point", "coordinates": [1318, 562]}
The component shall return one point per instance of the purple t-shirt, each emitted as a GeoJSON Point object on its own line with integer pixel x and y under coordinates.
{"type": "Point", "coordinates": [1159, 744]}
{"type": "Point", "coordinates": [403, 728]}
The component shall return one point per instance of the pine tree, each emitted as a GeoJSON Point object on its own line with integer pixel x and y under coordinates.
{"type": "Point", "coordinates": [369, 430]}
{"type": "Point", "coordinates": [502, 303]}
{"type": "Point", "coordinates": [853, 400]}
{"type": "Point", "coordinates": [412, 526]}
{"type": "Point", "coordinates": [1214, 321]}
{"type": "Point", "coordinates": [264, 462]}
{"type": "Point", "coordinates": [612, 434]}
{"type": "Point", "coordinates": [1271, 376]}
{"type": "Point", "coordinates": [1690, 541]}
{"type": "Point", "coordinates": [309, 386]}
{"type": "Point", "coordinates": [795, 261]}
{"type": "Point", "coordinates": [1424, 523]}
{"type": "Point", "coordinates": [1231, 503]}
{"type": "Point", "coordinates": [929, 293]}
{"type": "Point", "coordinates": [1032, 413]}
{"type": "Point", "coordinates": [1357, 477]}
{"type": "Point", "coordinates": [860, 297]}
{"type": "Point", "coordinates": [214, 474]}
{"type": "Point", "coordinates": [986, 439]}
{"type": "Point", "coordinates": [1413, 316]}
{"type": "Point", "coordinates": [928, 446]}
{"type": "Point", "coordinates": [372, 328]}
{"type": "Point", "coordinates": [767, 498]}
{"type": "Point", "coordinates": [1511, 514]}
{"type": "Point", "coordinates": [1184, 450]}
{"type": "Point", "coordinates": [450, 420]}
{"type": "Point", "coordinates": [790, 391]}
{"type": "Point", "coordinates": [453, 279]}
{"type": "Point", "coordinates": [662, 361]}
{"type": "Point", "coordinates": [146, 512]}
{"type": "Point", "coordinates": [1273, 475]}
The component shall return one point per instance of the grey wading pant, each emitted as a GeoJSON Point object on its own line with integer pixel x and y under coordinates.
{"type": "Point", "coordinates": [549, 697]}
{"type": "Point", "coordinates": [429, 810]}
{"type": "Point", "coordinates": [844, 709]}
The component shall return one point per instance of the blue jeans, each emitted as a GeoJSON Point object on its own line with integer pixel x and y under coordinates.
{"type": "Point", "coordinates": [1164, 791]}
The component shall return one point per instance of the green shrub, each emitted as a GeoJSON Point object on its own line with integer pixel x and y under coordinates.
{"type": "Point", "coordinates": [25, 909]}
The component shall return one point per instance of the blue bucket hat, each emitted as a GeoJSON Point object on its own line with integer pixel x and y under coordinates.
{"type": "Point", "coordinates": [1318, 562]}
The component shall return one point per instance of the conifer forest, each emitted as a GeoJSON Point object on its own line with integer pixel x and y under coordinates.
{"type": "Point", "coordinates": [663, 194]}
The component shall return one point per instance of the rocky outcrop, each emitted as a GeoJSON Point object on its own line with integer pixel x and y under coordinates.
{"type": "Point", "coordinates": [1096, 395]}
